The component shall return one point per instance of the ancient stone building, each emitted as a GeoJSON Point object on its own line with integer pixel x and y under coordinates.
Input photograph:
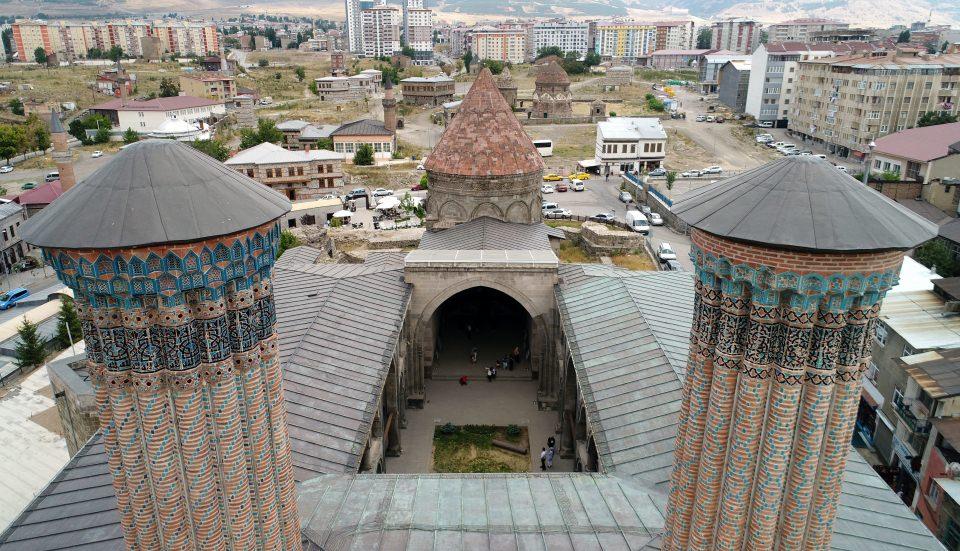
{"type": "Point", "coordinates": [484, 164]}
{"type": "Point", "coordinates": [552, 93]}
{"type": "Point", "coordinates": [169, 257]}
{"type": "Point", "coordinates": [792, 262]}
{"type": "Point", "coordinates": [507, 87]}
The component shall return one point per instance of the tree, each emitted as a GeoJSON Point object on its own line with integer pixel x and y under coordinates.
{"type": "Point", "coordinates": [102, 135]}
{"type": "Point", "coordinates": [364, 155]}
{"type": "Point", "coordinates": [215, 148]}
{"type": "Point", "coordinates": [408, 205]}
{"type": "Point", "coordinates": [467, 60]}
{"type": "Point", "coordinates": [704, 38]}
{"type": "Point", "coordinates": [496, 67]}
{"type": "Point", "coordinates": [78, 127]}
{"type": "Point", "coordinates": [40, 55]}
{"type": "Point", "coordinates": [935, 254]}
{"type": "Point", "coordinates": [7, 36]}
{"type": "Point", "coordinates": [325, 143]}
{"type": "Point", "coordinates": [16, 106]}
{"type": "Point", "coordinates": [31, 350]}
{"type": "Point", "coordinates": [36, 134]}
{"type": "Point", "coordinates": [424, 182]}
{"type": "Point", "coordinates": [68, 318]}
{"type": "Point", "coordinates": [11, 141]}
{"type": "Point", "coordinates": [904, 37]}
{"type": "Point", "coordinates": [266, 132]}
{"type": "Point", "coordinates": [301, 73]}
{"type": "Point", "coordinates": [313, 88]}
{"type": "Point", "coordinates": [389, 72]}
{"type": "Point", "coordinates": [287, 241]}
{"type": "Point", "coordinates": [115, 53]}
{"type": "Point", "coordinates": [169, 88]}
{"type": "Point", "coordinates": [408, 51]}
{"type": "Point", "coordinates": [933, 118]}
{"type": "Point", "coordinates": [592, 59]}
{"type": "Point", "coordinates": [548, 51]}
{"type": "Point", "coordinates": [671, 177]}
{"type": "Point", "coordinates": [764, 37]}
{"type": "Point", "coordinates": [262, 62]}
{"type": "Point", "coordinates": [130, 136]}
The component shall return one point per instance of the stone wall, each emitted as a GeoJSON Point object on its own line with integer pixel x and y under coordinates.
{"type": "Point", "coordinates": [899, 190]}
{"type": "Point", "coordinates": [454, 199]}
{"type": "Point", "coordinates": [602, 240]}
{"type": "Point", "coordinates": [75, 401]}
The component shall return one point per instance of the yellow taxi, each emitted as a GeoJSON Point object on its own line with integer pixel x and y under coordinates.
{"type": "Point", "coordinates": [552, 178]}
{"type": "Point", "coordinates": [580, 176]}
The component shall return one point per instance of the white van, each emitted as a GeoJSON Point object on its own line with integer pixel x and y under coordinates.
{"type": "Point", "coordinates": [638, 222]}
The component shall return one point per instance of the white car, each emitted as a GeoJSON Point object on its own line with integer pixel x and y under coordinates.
{"type": "Point", "coordinates": [665, 252]}
{"type": "Point", "coordinates": [6, 169]}
{"type": "Point", "coordinates": [420, 167]}
{"type": "Point", "coordinates": [712, 170]}
{"type": "Point", "coordinates": [577, 185]}
{"type": "Point", "coordinates": [765, 124]}
{"type": "Point", "coordinates": [655, 219]}
{"type": "Point", "coordinates": [603, 217]}
{"type": "Point", "coordinates": [96, 154]}
{"type": "Point", "coordinates": [690, 174]}
{"type": "Point", "coordinates": [546, 189]}
{"type": "Point", "coordinates": [380, 192]}
{"type": "Point", "coordinates": [557, 213]}
{"type": "Point", "coordinates": [841, 168]}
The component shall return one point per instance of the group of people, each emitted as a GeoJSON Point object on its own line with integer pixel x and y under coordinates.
{"type": "Point", "coordinates": [547, 453]}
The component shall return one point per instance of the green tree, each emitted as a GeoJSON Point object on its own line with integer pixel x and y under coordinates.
{"type": "Point", "coordinates": [313, 88]}
{"type": "Point", "coordinates": [496, 67]}
{"type": "Point", "coordinates": [103, 135]}
{"type": "Point", "coordinates": [364, 155]}
{"type": "Point", "coordinates": [215, 148]}
{"type": "Point", "coordinates": [130, 136]}
{"type": "Point", "coordinates": [764, 37]}
{"type": "Point", "coordinates": [409, 206]}
{"type": "Point", "coordinates": [424, 182]}
{"type": "Point", "coordinates": [169, 88]}
{"type": "Point", "coordinates": [592, 59]}
{"type": "Point", "coordinates": [68, 318]}
{"type": "Point", "coordinates": [671, 177]}
{"type": "Point", "coordinates": [78, 127]}
{"type": "Point", "coordinates": [301, 73]}
{"type": "Point", "coordinates": [408, 51]}
{"type": "Point", "coordinates": [935, 254]}
{"type": "Point", "coordinates": [325, 143]}
{"type": "Point", "coordinates": [12, 140]}
{"type": "Point", "coordinates": [115, 53]}
{"type": "Point", "coordinates": [40, 55]}
{"type": "Point", "coordinates": [31, 350]}
{"type": "Point", "coordinates": [933, 118]}
{"type": "Point", "coordinates": [467, 60]}
{"type": "Point", "coordinates": [263, 62]}
{"type": "Point", "coordinates": [7, 36]}
{"type": "Point", "coordinates": [704, 38]}
{"type": "Point", "coordinates": [16, 106]}
{"type": "Point", "coordinates": [904, 37]}
{"type": "Point", "coordinates": [266, 132]}
{"type": "Point", "coordinates": [287, 241]}
{"type": "Point", "coordinates": [550, 50]}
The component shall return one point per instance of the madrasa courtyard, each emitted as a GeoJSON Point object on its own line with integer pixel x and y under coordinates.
{"type": "Point", "coordinates": [248, 401]}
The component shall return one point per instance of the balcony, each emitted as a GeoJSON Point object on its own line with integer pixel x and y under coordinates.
{"type": "Point", "coordinates": [914, 423]}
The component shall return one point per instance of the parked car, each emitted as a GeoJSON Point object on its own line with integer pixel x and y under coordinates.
{"type": "Point", "coordinates": [690, 174]}
{"type": "Point", "coordinates": [625, 197]}
{"type": "Point", "coordinates": [790, 152]}
{"type": "Point", "coordinates": [841, 168]}
{"type": "Point", "coordinates": [719, 119]}
{"type": "Point", "coordinates": [712, 170]}
{"type": "Point", "coordinates": [665, 252]}
{"type": "Point", "coordinates": [603, 217]}
{"type": "Point", "coordinates": [673, 266]}
{"type": "Point", "coordinates": [657, 172]}
{"type": "Point", "coordinates": [546, 188]}
{"type": "Point", "coordinates": [580, 176]}
{"type": "Point", "coordinates": [557, 213]}
{"type": "Point", "coordinates": [51, 176]}
{"type": "Point", "coordinates": [547, 205]}
{"type": "Point", "coordinates": [710, 118]}
{"type": "Point", "coordinates": [13, 296]}
{"type": "Point", "coordinates": [552, 178]}
{"type": "Point", "coordinates": [96, 154]}
{"type": "Point", "coordinates": [776, 144]}
{"type": "Point", "coordinates": [820, 156]}
{"type": "Point", "coordinates": [356, 193]}
{"type": "Point", "coordinates": [764, 138]}
{"type": "Point", "coordinates": [561, 187]}
{"type": "Point", "coordinates": [577, 185]}
{"type": "Point", "coordinates": [418, 187]}
{"type": "Point", "coordinates": [765, 124]}
{"type": "Point", "coordinates": [645, 209]}
{"type": "Point", "coordinates": [420, 167]}
{"type": "Point", "coordinates": [701, 118]}
{"type": "Point", "coordinates": [380, 192]}
{"type": "Point", "coordinates": [655, 219]}
{"type": "Point", "coordinates": [6, 169]}
{"type": "Point", "coordinates": [29, 185]}
{"type": "Point", "coordinates": [806, 153]}
{"type": "Point", "coordinates": [638, 222]}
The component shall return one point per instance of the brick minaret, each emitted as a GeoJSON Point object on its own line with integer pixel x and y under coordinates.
{"type": "Point", "coordinates": [62, 155]}
{"type": "Point", "coordinates": [792, 261]}
{"type": "Point", "coordinates": [389, 106]}
{"type": "Point", "coordinates": [169, 257]}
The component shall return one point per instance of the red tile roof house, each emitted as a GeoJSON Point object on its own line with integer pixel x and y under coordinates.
{"type": "Point", "coordinates": [930, 155]}
{"type": "Point", "coordinates": [35, 200]}
{"type": "Point", "coordinates": [144, 116]}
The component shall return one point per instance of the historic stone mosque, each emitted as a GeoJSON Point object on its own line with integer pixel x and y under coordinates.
{"type": "Point", "coordinates": [252, 403]}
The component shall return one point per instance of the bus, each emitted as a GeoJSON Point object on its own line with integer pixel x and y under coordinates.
{"type": "Point", "coordinates": [545, 147]}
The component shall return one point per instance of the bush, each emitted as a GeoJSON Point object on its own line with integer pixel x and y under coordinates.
{"type": "Point", "coordinates": [215, 148]}
{"type": "Point", "coordinates": [263, 62]}
{"type": "Point", "coordinates": [130, 136]}
{"type": "Point", "coordinates": [671, 177]}
{"type": "Point", "coordinates": [890, 176]}
{"type": "Point", "coordinates": [103, 135]}
{"type": "Point", "coordinates": [424, 182]}
{"type": "Point", "coordinates": [613, 113]}
{"type": "Point", "coordinates": [513, 430]}
{"type": "Point", "coordinates": [935, 254]}
{"type": "Point", "coordinates": [364, 155]}
{"type": "Point", "coordinates": [287, 241]}
{"type": "Point", "coordinates": [449, 428]}
{"type": "Point", "coordinates": [31, 351]}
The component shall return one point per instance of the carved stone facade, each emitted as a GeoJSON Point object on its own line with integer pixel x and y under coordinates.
{"type": "Point", "coordinates": [457, 199]}
{"type": "Point", "coordinates": [552, 96]}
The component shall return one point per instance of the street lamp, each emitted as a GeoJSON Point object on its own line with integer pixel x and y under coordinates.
{"type": "Point", "coordinates": [869, 160]}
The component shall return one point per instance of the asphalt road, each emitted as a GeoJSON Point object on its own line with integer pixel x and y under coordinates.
{"type": "Point", "coordinates": [83, 166]}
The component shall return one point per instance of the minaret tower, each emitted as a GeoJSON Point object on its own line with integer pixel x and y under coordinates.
{"type": "Point", "coordinates": [792, 261]}
{"type": "Point", "coordinates": [62, 154]}
{"type": "Point", "coordinates": [169, 257]}
{"type": "Point", "coordinates": [389, 106]}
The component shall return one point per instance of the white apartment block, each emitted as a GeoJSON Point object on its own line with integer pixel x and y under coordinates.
{"type": "Point", "coordinates": [352, 25]}
{"type": "Point", "coordinates": [381, 31]}
{"type": "Point", "coordinates": [507, 45]}
{"type": "Point", "coordinates": [625, 40]}
{"type": "Point", "coordinates": [736, 35]}
{"type": "Point", "coordinates": [566, 35]}
{"type": "Point", "coordinates": [798, 30]}
{"type": "Point", "coordinates": [419, 34]}
{"type": "Point", "coordinates": [409, 5]}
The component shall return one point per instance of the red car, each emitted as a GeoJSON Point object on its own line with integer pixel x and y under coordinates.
{"type": "Point", "coordinates": [417, 187]}
{"type": "Point", "coordinates": [561, 187]}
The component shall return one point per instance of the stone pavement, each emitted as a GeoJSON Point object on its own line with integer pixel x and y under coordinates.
{"type": "Point", "coordinates": [479, 403]}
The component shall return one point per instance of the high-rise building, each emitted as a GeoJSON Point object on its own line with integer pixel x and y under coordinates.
{"type": "Point", "coordinates": [381, 31]}
{"type": "Point", "coordinates": [844, 103]}
{"type": "Point", "coordinates": [507, 45]}
{"type": "Point", "coordinates": [625, 40]}
{"type": "Point", "coordinates": [786, 303]}
{"type": "Point", "coordinates": [75, 40]}
{"type": "Point", "coordinates": [177, 311]}
{"type": "Point", "coordinates": [407, 6]}
{"type": "Point", "coordinates": [419, 34]}
{"type": "Point", "coordinates": [568, 35]}
{"type": "Point", "coordinates": [798, 30]}
{"type": "Point", "coordinates": [674, 35]}
{"type": "Point", "coordinates": [736, 35]}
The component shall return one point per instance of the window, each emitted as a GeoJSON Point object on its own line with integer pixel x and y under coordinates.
{"type": "Point", "coordinates": [269, 173]}
{"type": "Point", "coordinates": [909, 350]}
{"type": "Point", "coordinates": [299, 171]}
{"type": "Point", "coordinates": [873, 372]}
{"type": "Point", "coordinates": [250, 172]}
{"type": "Point", "coordinates": [881, 333]}
{"type": "Point", "coordinates": [898, 397]}
{"type": "Point", "coordinates": [633, 148]}
{"type": "Point", "coordinates": [933, 492]}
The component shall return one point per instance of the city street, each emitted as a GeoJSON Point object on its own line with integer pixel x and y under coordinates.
{"type": "Point", "coordinates": [84, 165]}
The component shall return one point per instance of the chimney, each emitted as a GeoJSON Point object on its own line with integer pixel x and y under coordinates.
{"type": "Point", "coordinates": [62, 155]}
{"type": "Point", "coordinates": [389, 106]}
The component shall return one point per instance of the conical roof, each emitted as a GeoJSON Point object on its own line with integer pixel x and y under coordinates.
{"type": "Point", "coordinates": [803, 202]}
{"type": "Point", "coordinates": [505, 80]}
{"type": "Point", "coordinates": [153, 192]}
{"type": "Point", "coordinates": [552, 73]}
{"type": "Point", "coordinates": [485, 138]}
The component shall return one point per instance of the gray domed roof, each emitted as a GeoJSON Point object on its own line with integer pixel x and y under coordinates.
{"type": "Point", "coordinates": [803, 202]}
{"type": "Point", "coordinates": [154, 191]}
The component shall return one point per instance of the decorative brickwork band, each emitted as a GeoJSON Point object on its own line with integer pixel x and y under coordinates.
{"type": "Point", "coordinates": [183, 356]}
{"type": "Point", "coordinates": [778, 343]}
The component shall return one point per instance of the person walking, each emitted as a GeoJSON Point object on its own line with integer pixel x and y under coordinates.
{"type": "Point", "coordinates": [551, 442]}
{"type": "Point", "coordinates": [494, 372]}
{"type": "Point", "coordinates": [473, 355]}
{"type": "Point", "coordinates": [489, 375]}
{"type": "Point", "coordinates": [543, 459]}
{"type": "Point", "coordinates": [549, 458]}
{"type": "Point", "coordinates": [463, 380]}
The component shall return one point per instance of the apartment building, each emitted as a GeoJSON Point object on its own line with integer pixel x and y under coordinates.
{"type": "Point", "coordinates": [676, 59]}
{"type": "Point", "coordinates": [773, 80]}
{"type": "Point", "coordinates": [732, 84]}
{"type": "Point", "coordinates": [628, 41]}
{"type": "Point", "coordinates": [630, 144]}
{"type": "Point", "coordinates": [507, 45]}
{"type": "Point", "coordinates": [407, 6]}
{"type": "Point", "coordinates": [353, 25]}
{"type": "Point", "coordinates": [929, 155]}
{"type": "Point", "coordinates": [675, 35]}
{"type": "Point", "coordinates": [216, 86]}
{"type": "Point", "coordinates": [74, 40]}
{"type": "Point", "coordinates": [187, 37]}
{"type": "Point", "coordinates": [145, 116]}
{"type": "Point", "coordinates": [798, 30]}
{"type": "Point", "coordinates": [299, 175]}
{"type": "Point", "coordinates": [709, 65]}
{"type": "Point", "coordinates": [847, 102]}
{"type": "Point", "coordinates": [569, 36]}
{"type": "Point", "coordinates": [419, 34]}
{"type": "Point", "coordinates": [13, 248]}
{"type": "Point", "coordinates": [381, 31]}
{"type": "Point", "coordinates": [736, 35]}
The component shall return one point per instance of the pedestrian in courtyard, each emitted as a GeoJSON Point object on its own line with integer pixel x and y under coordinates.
{"type": "Point", "coordinates": [494, 372]}
{"type": "Point", "coordinates": [516, 354]}
{"type": "Point", "coordinates": [550, 453]}
{"type": "Point", "coordinates": [463, 380]}
{"type": "Point", "coordinates": [489, 375]}
{"type": "Point", "coordinates": [473, 355]}
{"type": "Point", "coordinates": [551, 442]}
{"type": "Point", "coordinates": [543, 459]}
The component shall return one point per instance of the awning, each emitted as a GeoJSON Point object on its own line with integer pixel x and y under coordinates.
{"type": "Point", "coordinates": [589, 163]}
{"type": "Point", "coordinates": [388, 203]}
{"type": "Point", "coordinates": [342, 214]}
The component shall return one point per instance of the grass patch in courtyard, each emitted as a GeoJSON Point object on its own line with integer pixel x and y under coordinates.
{"type": "Point", "coordinates": [470, 449]}
{"type": "Point", "coordinates": [571, 253]}
{"type": "Point", "coordinates": [638, 262]}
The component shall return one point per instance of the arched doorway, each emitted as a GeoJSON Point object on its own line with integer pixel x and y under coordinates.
{"type": "Point", "coordinates": [488, 320]}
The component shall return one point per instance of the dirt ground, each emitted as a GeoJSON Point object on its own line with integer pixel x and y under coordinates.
{"type": "Point", "coordinates": [470, 451]}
